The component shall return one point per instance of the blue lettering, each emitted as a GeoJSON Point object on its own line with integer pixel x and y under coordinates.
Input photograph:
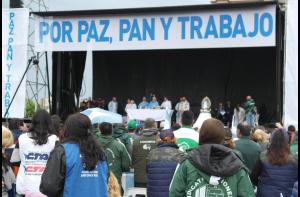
{"type": "Point", "coordinates": [9, 67]}
{"type": "Point", "coordinates": [225, 26]}
{"type": "Point", "coordinates": [183, 20]}
{"type": "Point", "coordinates": [166, 26]}
{"type": "Point", "coordinates": [83, 28]}
{"type": "Point", "coordinates": [9, 53]}
{"type": "Point", "coordinates": [239, 27]}
{"type": "Point", "coordinates": [7, 86]}
{"type": "Point", "coordinates": [67, 28]}
{"type": "Point", "coordinates": [11, 15]}
{"type": "Point", "coordinates": [10, 40]}
{"type": "Point", "coordinates": [92, 32]}
{"type": "Point", "coordinates": [105, 24]}
{"type": "Point", "coordinates": [269, 30]}
{"type": "Point", "coordinates": [56, 38]}
{"type": "Point", "coordinates": [196, 24]}
{"type": "Point", "coordinates": [44, 30]}
{"type": "Point", "coordinates": [148, 29]}
{"type": "Point", "coordinates": [124, 28]}
{"type": "Point", "coordinates": [8, 77]}
{"type": "Point", "coordinates": [135, 31]}
{"type": "Point", "coordinates": [7, 95]}
{"type": "Point", "coordinates": [211, 29]}
{"type": "Point", "coordinates": [6, 102]}
{"type": "Point", "coordinates": [255, 30]}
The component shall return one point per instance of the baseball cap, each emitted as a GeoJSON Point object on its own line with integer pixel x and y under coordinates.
{"type": "Point", "coordinates": [131, 124]}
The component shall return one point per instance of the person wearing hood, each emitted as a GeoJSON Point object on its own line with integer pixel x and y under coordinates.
{"type": "Point", "coordinates": [161, 164]}
{"type": "Point", "coordinates": [276, 171]}
{"type": "Point", "coordinates": [140, 151]}
{"type": "Point", "coordinates": [121, 134]}
{"type": "Point", "coordinates": [212, 169]}
{"type": "Point", "coordinates": [118, 158]}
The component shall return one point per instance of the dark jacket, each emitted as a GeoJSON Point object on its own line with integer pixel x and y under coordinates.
{"type": "Point", "coordinates": [59, 177]}
{"type": "Point", "coordinates": [118, 158]}
{"type": "Point", "coordinates": [161, 165]}
{"type": "Point", "coordinates": [295, 190]}
{"type": "Point", "coordinates": [211, 170]}
{"type": "Point", "coordinates": [121, 134]}
{"type": "Point", "coordinates": [271, 180]}
{"type": "Point", "coordinates": [141, 149]}
{"type": "Point", "coordinates": [250, 151]}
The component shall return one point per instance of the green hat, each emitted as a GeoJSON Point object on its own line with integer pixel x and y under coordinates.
{"type": "Point", "coordinates": [131, 124]}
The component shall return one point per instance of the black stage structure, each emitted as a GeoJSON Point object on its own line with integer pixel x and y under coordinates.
{"type": "Point", "coordinates": [221, 74]}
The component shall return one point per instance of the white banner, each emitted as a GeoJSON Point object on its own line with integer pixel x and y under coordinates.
{"type": "Point", "coordinates": [247, 27]}
{"type": "Point", "coordinates": [290, 105]}
{"type": "Point", "coordinates": [14, 60]}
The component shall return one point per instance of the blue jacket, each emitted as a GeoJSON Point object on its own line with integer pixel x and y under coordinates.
{"type": "Point", "coordinates": [295, 190]}
{"type": "Point", "coordinates": [273, 179]}
{"type": "Point", "coordinates": [65, 176]}
{"type": "Point", "coordinates": [161, 166]}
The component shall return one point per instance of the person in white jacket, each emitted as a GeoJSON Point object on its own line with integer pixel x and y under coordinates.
{"type": "Point", "coordinates": [166, 104]}
{"type": "Point", "coordinates": [33, 150]}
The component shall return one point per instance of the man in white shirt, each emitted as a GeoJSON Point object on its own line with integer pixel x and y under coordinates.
{"type": "Point", "coordinates": [166, 104]}
{"type": "Point", "coordinates": [113, 105]}
{"type": "Point", "coordinates": [184, 105]}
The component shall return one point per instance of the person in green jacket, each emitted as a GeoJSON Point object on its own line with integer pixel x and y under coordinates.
{"type": "Point", "coordinates": [212, 169]}
{"type": "Point", "coordinates": [118, 157]}
{"type": "Point", "coordinates": [250, 150]}
{"type": "Point", "coordinates": [121, 134]}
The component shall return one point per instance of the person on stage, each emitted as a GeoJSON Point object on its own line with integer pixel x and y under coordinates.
{"type": "Point", "coordinates": [113, 105]}
{"type": "Point", "coordinates": [166, 104]}
{"type": "Point", "coordinates": [154, 103]}
{"type": "Point", "coordinates": [144, 104]}
{"type": "Point", "coordinates": [249, 108]}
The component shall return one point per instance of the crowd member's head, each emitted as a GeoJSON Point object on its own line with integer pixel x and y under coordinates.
{"type": "Point", "coordinates": [291, 132]}
{"type": "Point", "coordinates": [184, 98]}
{"type": "Point", "coordinates": [131, 126]}
{"type": "Point", "coordinates": [144, 99]}
{"type": "Point", "coordinates": [165, 98]}
{"type": "Point", "coordinates": [56, 124]}
{"type": "Point", "coordinates": [243, 130]}
{"type": "Point", "coordinates": [17, 124]}
{"type": "Point", "coordinates": [228, 142]}
{"type": "Point", "coordinates": [128, 101]}
{"type": "Point", "coordinates": [106, 128]}
{"type": "Point", "coordinates": [187, 118]}
{"type": "Point", "coordinates": [41, 127]}
{"type": "Point", "coordinates": [114, 98]}
{"type": "Point", "coordinates": [278, 151]}
{"type": "Point", "coordinates": [154, 98]}
{"type": "Point", "coordinates": [167, 136]}
{"type": "Point", "coordinates": [78, 129]}
{"type": "Point", "coordinates": [150, 124]}
{"type": "Point", "coordinates": [248, 97]}
{"type": "Point", "coordinates": [7, 137]}
{"type": "Point", "coordinates": [132, 101]}
{"type": "Point", "coordinates": [260, 136]}
{"type": "Point", "coordinates": [212, 132]}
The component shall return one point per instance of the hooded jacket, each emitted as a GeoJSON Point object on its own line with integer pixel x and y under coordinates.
{"type": "Point", "coordinates": [141, 149]}
{"type": "Point", "coordinates": [118, 158]}
{"type": "Point", "coordinates": [121, 134]}
{"type": "Point", "coordinates": [211, 170]}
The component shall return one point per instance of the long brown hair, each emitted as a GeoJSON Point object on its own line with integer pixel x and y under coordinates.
{"type": "Point", "coordinates": [279, 150]}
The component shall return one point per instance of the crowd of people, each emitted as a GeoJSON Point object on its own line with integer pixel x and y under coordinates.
{"type": "Point", "coordinates": [230, 115]}
{"type": "Point", "coordinates": [76, 158]}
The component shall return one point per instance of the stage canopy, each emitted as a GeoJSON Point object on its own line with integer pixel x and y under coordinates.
{"type": "Point", "coordinates": [193, 51]}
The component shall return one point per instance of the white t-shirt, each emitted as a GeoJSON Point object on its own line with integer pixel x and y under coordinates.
{"type": "Point", "coordinates": [33, 162]}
